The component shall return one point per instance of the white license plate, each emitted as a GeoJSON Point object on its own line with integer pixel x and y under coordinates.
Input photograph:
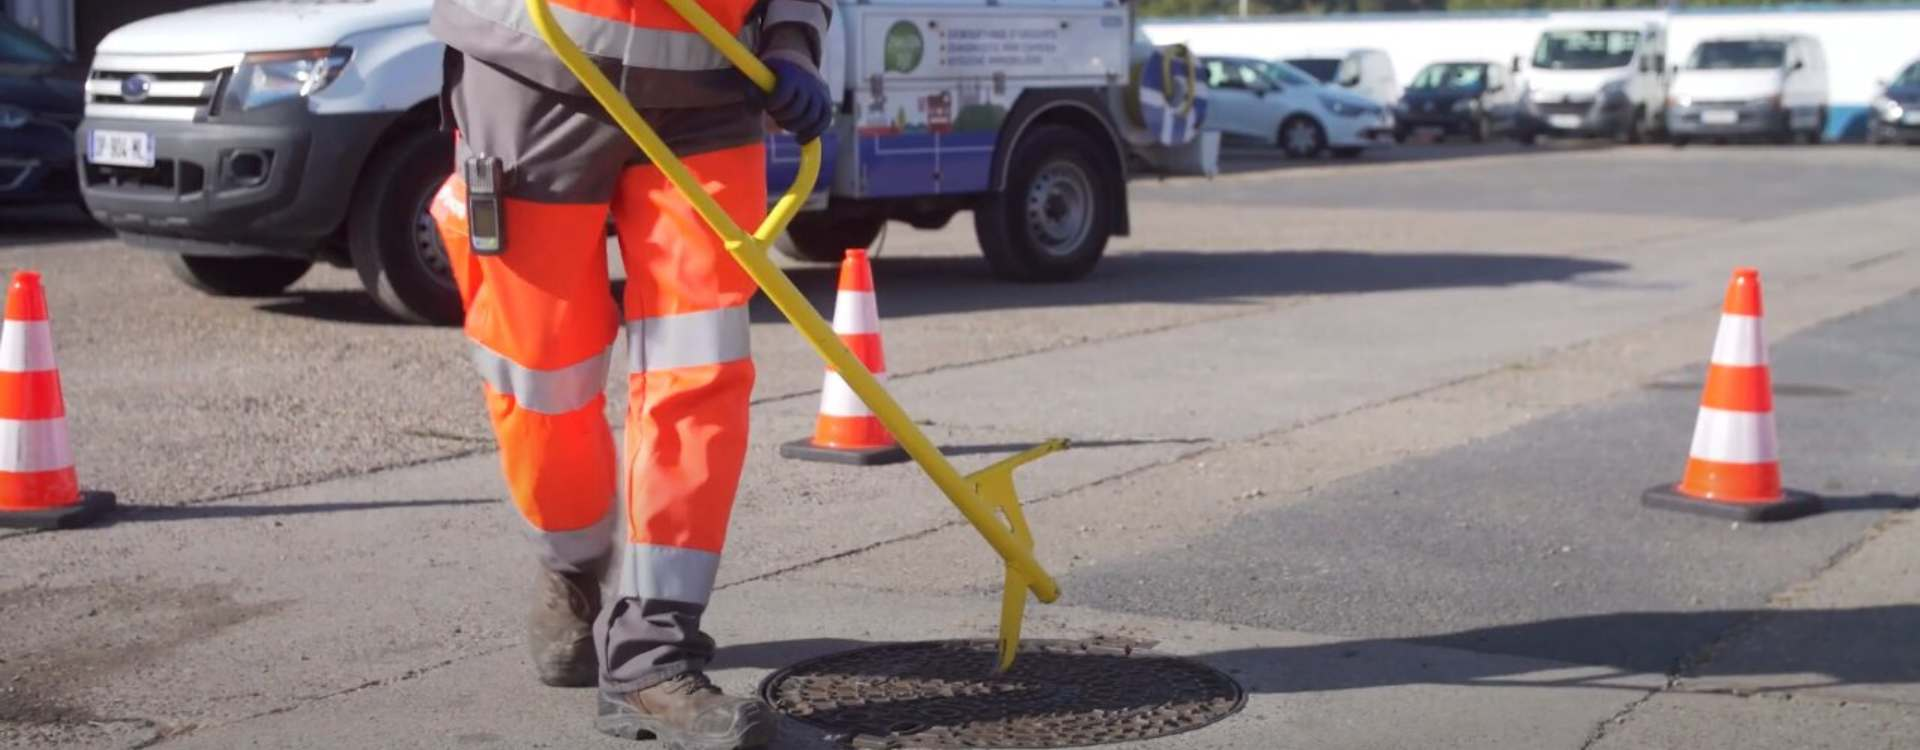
{"type": "Point", "coordinates": [1719, 117]}
{"type": "Point", "coordinates": [1912, 118]}
{"type": "Point", "coordinates": [1566, 122]}
{"type": "Point", "coordinates": [120, 148]}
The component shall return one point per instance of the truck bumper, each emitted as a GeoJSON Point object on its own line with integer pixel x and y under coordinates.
{"type": "Point", "coordinates": [278, 184]}
{"type": "Point", "coordinates": [1725, 122]}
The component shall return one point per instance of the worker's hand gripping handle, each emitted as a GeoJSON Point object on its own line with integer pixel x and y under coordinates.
{"type": "Point", "coordinates": [986, 497]}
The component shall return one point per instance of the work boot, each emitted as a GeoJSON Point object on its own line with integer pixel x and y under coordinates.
{"type": "Point", "coordinates": [560, 628]}
{"type": "Point", "coordinates": [687, 713]}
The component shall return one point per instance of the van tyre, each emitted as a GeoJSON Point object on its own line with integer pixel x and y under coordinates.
{"type": "Point", "coordinates": [1302, 138]}
{"type": "Point", "coordinates": [821, 237]}
{"type": "Point", "coordinates": [392, 239]}
{"type": "Point", "coordinates": [1052, 221]}
{"type": "Point", "coordinates": [237, 277]}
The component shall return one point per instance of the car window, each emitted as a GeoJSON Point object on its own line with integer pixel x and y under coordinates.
{"type": "Point", "coordinates": [1327, 69]}
{"type": "Point", "coordinates": [1909, 77]}
{"type": "Point", "coordinates": [18, 45]}
{"type": "Point", "coordinates": [1738, 55]}
{"type": "Point", "coordinates": [1287, 75]}
{"type": "Point", "coordinates": [1450, 76]}
{"type": "Point", "coordinates": [1227, 74]}
{"type": "Point", "coordinates": [1585, 50]}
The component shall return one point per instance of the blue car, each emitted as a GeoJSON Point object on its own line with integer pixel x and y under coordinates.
{"type": "Point", "coordinates": [40, 103]}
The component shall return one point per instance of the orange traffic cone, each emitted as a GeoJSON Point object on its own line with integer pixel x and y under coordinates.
{"type": "Point", "coordinates": [846, 431]}
{"type": "Point", "coordinates": [38, 487]}
{"type": "Point", "coordinates": [1733, 469]}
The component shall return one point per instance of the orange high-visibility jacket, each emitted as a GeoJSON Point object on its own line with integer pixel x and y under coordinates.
{"type": "Point", "coordinates": [655, 56]}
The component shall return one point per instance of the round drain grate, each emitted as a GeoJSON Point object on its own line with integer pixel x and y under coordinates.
{"type": "Point", "coordinates": [944, 694]}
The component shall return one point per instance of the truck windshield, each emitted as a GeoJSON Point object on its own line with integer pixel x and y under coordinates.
{"type": "Point", "coordinates": [1286, 75]}
{"type": "Point", "coordinates": [1324, 68]}
{"type": "Point", "coordinates": [18, 46]}
{"type": "Point", "coordinates": [1736, 55]}
{"type": "Point", "coordinates": [1450, 76]}
{"type": "Point", "coordinates": [1585, 50]}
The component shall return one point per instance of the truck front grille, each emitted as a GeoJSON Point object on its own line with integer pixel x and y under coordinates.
{"type": "Point", "coordinates": [157, 87]}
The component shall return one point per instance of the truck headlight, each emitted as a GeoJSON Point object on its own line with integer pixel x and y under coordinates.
{"type": "Point", "coordinates": [265, 78]}
{"type": "Point", "coordinates": [1341, 109]}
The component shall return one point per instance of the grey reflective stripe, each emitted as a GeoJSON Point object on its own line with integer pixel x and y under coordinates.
{"type": "Point", "coordinates": [653, 571]}
{"type": "Point", "coordinates": [669, 342]}
{"type": "Point", "coordinates": [574, 551]}
{"type": "Point", "coordinates": [635, 47]}
{"type": "Point", "coordinates": [561, 391]}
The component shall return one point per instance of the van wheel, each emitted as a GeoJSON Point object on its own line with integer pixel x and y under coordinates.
{"type": "Point", "coordinates": [1302, 138]}
{"type": "Point", "coordinates": [1052, 221]}
{"type": "Point", "coordinates": [237, 277]}
{"type": "Point", "coordinates": [391, 237]}
{"type": "Point", "coordinates": [821, 237]}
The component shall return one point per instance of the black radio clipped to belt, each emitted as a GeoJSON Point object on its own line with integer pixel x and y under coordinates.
{"type": "Point", "coordinates": [485, 223]}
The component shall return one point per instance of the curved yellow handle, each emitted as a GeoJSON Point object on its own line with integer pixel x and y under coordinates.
{"type": "Point", "coordinates": [750, 250]}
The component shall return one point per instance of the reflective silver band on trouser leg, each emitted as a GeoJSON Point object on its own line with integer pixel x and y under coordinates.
{"type": "Point", "coordinates": [675, 574]}
{"type": "Point", "coordinates": [577, 551]}
{"type": "Point", "coordinates": [559, 391]}
{"type": "Point", "coordinates": [708, 337]}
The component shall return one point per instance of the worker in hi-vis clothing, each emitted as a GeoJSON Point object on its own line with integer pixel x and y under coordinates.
{"type": "Point", "coordinates": [539, 166]}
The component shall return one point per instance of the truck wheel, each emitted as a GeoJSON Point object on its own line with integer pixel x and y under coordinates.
{"type": "Point", "coordinates": [394, 243]}
{"type": "Point", "coordinates": [1052, 221]}
{"type": "Point", "coordinates": [820, 237]}
{"type": "Point", "coordinates": [237, 277]}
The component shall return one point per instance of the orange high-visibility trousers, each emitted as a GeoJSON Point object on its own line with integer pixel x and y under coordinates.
{"type": "Point", "coordinates": [542, 324]}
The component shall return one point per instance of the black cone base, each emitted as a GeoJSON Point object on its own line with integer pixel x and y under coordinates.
{"type": "Point", "coordinates": [805, 450]}
{"type": "Point", "coordinates": [92, 506]}
{"type": "Point", "coordinates": [1792, 504]}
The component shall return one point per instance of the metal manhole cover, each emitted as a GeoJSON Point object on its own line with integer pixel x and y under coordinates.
{"type": "Point", "coordinates": [943, 694]}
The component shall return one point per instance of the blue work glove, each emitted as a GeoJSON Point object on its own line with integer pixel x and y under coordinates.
{"type": "Point", "coordinates": [800, 101]}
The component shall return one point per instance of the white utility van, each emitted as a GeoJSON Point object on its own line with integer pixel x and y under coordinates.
{"type": "Point", "coordinates": [1597, 75]}
{"type": "Point", "coordinates": [1767, 85]}
{"type": "Point", "coordinates": [1367, 72]}
{"type": "Point", "coordinates": [249, 141]}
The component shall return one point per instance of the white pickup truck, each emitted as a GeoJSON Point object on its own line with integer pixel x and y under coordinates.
{"type": "Point", "coordinates": [249, 141]}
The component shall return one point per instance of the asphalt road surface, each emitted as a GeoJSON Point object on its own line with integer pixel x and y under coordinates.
{"type": "Point", "coordinates": [1369, 435]}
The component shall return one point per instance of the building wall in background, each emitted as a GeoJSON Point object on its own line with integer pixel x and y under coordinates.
{"type": "Point", "coordinates": [1864, 45]}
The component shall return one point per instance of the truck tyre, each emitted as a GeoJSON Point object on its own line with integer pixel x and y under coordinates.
{"type": "Point", "coordinates": [237, 277]}
{"type": "Point", "coordinates": [1052, 220]}
{"type": "Point", "coordinates": [820, 237]}
{"type": "Point", "coordinates": [392, 239]}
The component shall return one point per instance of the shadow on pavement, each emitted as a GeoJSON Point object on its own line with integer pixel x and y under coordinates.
{"type": "Point", "coordinates": [334, 305]}
{"type": "Point", "coordinates": [922, 285]}
{"type": "Point", "coordinates": [919, 285]}
{"type": "Point", "coordinates": [977, 450]}
{"type": "Point", "coordinates": [152, 513]}
{"type": "Point", "coordinates": [1238, 159]}
{"type": "Point", "coordinates": [1856, 646]}
{"type": "Point", "coordinates": [27, 226]}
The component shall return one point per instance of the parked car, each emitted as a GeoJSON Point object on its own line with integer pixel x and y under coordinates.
{"type": "Point", "coordinates": [1772, 86]}
{"type": "Point", "coordinates": [1367, 72]}
{"type": "Point", "coordinates": [1598, 74]}
{"type": "Point", "coordinates": [1476, 99]}
{"type": "Point", "coordinates": [40, 102]}
{"type": "Point", "coordinates": [1896, 111]}
{"type": "Point", "coordinates": [1280, 105]}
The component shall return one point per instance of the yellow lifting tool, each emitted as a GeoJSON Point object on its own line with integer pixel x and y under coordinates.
{"type": "Point", "coordinates": [985, 497]}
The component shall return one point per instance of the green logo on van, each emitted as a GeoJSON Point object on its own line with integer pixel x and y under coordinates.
{"type": "Point", "coordinates": [904, 48]}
